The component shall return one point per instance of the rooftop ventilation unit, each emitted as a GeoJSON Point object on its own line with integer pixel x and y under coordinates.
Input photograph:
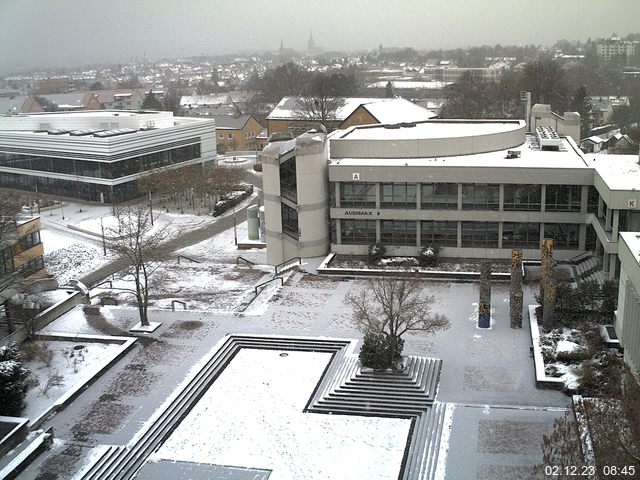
{"type": "Point", "coordinates": [114, 133]}
{"type": "Point", "coordinates": [83, 132]}
{"type": "Point", "coordinates": [57, 131]}
{"type": "Point", "coordinates": [548, 138]}
{"type": "Point", "coordinates": [513, 154]}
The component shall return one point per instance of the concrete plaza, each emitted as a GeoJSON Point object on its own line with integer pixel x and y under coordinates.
{"type": "Point", "coordinates": [499, 415]}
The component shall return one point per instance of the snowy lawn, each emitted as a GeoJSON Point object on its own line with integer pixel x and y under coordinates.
{"type": "Point", "coordinates": [564, 350]}
{"type": "Point", "coordinates": [253, 417]}
{"type": "Point", "coordinates": [75, 365]}
{"type": "Point", "coordinates": [410, 263]}
{"type": "Point", "coordinates": [69, 256]}
{"type": "Point", "coordinates": [203, 286]}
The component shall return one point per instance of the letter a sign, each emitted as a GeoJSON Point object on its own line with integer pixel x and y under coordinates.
{"type": "Point", "coordinates": [355, 176]}
{"type": "Point", "coordinates": [632, 203]}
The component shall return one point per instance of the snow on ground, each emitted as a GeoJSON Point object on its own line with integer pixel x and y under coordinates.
{"type": "Point", "coordinates": [75, 369]}
{"type": "Point", "coordinates": [69, 256]}
{"type": "Point", "coordinates": [203, 286]}
{"type": "Point", "coordinates": [254, 417]}
{"type": "Point", "coordinates": [222, 247]}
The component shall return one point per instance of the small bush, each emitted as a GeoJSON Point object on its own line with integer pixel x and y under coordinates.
{"type": "Point", "coordinates": [376, 252]}
{"type": "Point", "coordinates": [428, 256]}
{"type": "Point", "coordinates": [32, 351]}
{"type": "Point", "coordinates": [13, 381]}
{"type": "Point", "coordinates": [379, 351]}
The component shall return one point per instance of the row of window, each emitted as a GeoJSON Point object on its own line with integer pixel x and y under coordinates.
{"type": "Point", "coordinates": [475, 196]}
{"type": "Point", "coordinates": [71, 188]}
{"type": "Point", "coordinates": [445, 233]}
{"type": "Point", "coordinates": [29, 240]}
{"type": "Point", "coordinates": [110, 170]}
{"type": "Point", "coordinates": [247, 135]}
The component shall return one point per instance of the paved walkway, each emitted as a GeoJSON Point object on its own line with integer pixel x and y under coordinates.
{"type": "Point", "coordinates": [499, 413]}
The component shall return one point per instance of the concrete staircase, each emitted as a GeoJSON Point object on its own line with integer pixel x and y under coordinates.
{"type": "Point", "coordinates": [344, 389]}
{"type": "Point", "coordinates": [587, 269]}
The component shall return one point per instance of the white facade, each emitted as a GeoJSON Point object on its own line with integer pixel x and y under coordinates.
{"type": "Point", "coordinates": [474, 188]}
{"type": "Point", "coordinates": [628, 315]}
{"type": "Point", "coordinates": [98, 155]}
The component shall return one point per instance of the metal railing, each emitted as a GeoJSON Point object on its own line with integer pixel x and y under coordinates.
{"type": "Point", "coordinates": [287, 265]}
{"type": "Point", "coordinates": [263, 285]}
{"type": "Point", "coordinates": [248, 262]}
{"type": "Point", "coordinates": [187, 258]}
{"type": "Point", "coordinates": [173, 304]}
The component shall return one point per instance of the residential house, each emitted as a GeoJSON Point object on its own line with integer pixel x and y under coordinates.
{"type": "Point", "coordinates": [208, 105]}
{"type": "Point", "coordinates": [72, 102]}
{"type": "Point", "coordinates": [121, 98]}
{"type": "Point", "coordinates": [602, 108]}
{"type": "Point", "coordinates": [237, 133]}
{"type": "Point", "coordinates": [19, 104]}
{"type": "Point", "coordinates": [287, 116]}
{"type": "Point", "coordinates": [21, 253]}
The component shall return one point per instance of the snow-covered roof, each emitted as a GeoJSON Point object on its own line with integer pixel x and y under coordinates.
{"type": "Point", "coordinates": [410, 85]}
{"type": "Point", "coordinates": [205, 100]}
{"type": "Point", "coordinates": [619, 172]}
{"type": "Point", "coordinates": [289, 109]}
{"type": "Point", "coordinates": [530, 157]}
{"type": "Point", "coordinates": [398, 110]}
{"type": "Point", "coordinates": [431, 130]}
{"type": "Point", "coordinates": [632, 239]}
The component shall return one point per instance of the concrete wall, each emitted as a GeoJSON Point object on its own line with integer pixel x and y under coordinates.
{"type": "Point", "coordinates": [567, 125]}
{"type": "Point", "coordinates": [627, 324]}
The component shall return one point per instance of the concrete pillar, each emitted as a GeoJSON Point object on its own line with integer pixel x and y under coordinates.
{"type": "Point", "coordinates": [484, 304]}
{"type": "Point", "coordinates": [615, 223]}
{"type": "Point", "coordinates": [501, 198]}
{"type": "Point", "coordinates": [515, 291]}
{"type": "Point", "coordinates": [584, 199]}
{"type": "Point", "coordinates": [253, 223]}
{"type": "Point", "coordinates": [612, 266]}
{"type": "Point", "coordinates": [546, 263]}
{"type": "Point", "coordinates": [543, 198]}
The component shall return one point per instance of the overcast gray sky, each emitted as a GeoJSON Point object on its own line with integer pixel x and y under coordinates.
{"type": "Point", "coordinates": [75, 32]}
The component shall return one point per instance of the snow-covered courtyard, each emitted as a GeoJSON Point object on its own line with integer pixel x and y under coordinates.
{"type": "Point", "coordinates": [253, 416]}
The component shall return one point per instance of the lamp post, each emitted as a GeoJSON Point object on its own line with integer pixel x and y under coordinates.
{"type": "Point", "coordinates": [151, 208]}
{"type": "Point", "coordinates": [235, 232]}
{"type": "Point", "coordinates": [104, 244]}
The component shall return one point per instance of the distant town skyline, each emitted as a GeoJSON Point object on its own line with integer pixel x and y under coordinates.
{"type": "Point", "coordinates": [42, 33]}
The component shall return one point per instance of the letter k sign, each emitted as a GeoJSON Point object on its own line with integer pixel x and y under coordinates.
{"type": "Point", "coordinates": [632, 203]}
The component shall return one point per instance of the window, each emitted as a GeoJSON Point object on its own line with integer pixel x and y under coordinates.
{"type": "Point", "coordinates": [288, 182]}
{"type": "Point", "coordinates": [246, 135]}
{"type": "Point", "coordinates": [33, 265]}
{"type": "Point", "coordinates": [480, 196]}
{"type": "Point", "coordinates": [565, 235]}
{"type": "Point", "coordinates": [439, 233]}
{"type": "Point", "coordinates": [221, 136]}
{"type": "Point", "coordinates": [6, 261]}
{"type": "Point", "coordinates": [520, 235]}
{"type": "Point", "coordinates": [357, 232]}
{"type": "Point", "coordinates": [289, 220]}
{"type": "Point", "coordinates": [357, 194]}
{"type": "Point", "coordinates": [398, 232]}
{"type": "Point", "coordinates": [30, 240]}
{"type": "Point", "coordinates": [398, 195]}
{"type": "Point", "coordinates": [563, 198]}
{"type": "Point", "coordinates": [230, 136]}
{"type": "Point", "coordinates": [480, 234]}
{"type": "Point", "coordinates": [592, 199]}
{"type": "Point", "coordinates": [439, 195]}
{"type": "Point", "coordinates": [522, 197]}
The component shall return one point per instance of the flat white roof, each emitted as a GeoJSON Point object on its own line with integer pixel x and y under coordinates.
{"type": "Point", "coordinates": [632, 239]}
{"type": "Point", "coordinates": [619, 172]}
{"type": "Point", "coordinates": [432, 130]}
{"type": "Point", "coordinates": [530, 157]}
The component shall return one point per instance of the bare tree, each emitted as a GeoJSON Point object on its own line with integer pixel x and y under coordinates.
{"type": "Point", "coordinates": [136, 241]}
{"type": "Point", "coordinates": [320, 102]}
{"type": "Point", "coordinates": [11, 280]}
{"type": "Point", "coordinates": [391, 307]}
{"type": "Point", "coordinates": [612, 420]}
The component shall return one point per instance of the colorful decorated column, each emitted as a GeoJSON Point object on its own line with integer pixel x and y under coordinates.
{"type": "Point", "coordinates": [515, 292]}
{"type": "Point", "coordinates": [484, 305]}
{"type": "Point", "coordinates": [547, 283]}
